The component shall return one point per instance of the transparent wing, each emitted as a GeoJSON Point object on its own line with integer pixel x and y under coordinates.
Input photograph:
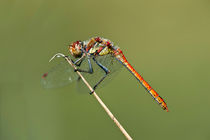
{"type": "Point", "coordinates": [59, 75]}
{"type": "Point", "coordinates": [109, 62]}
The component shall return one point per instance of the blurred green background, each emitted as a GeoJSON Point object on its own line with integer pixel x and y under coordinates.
{"type": "Point", "coordinates": [166, 41]}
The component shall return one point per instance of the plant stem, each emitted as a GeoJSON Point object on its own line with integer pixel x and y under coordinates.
{"type": "Point", "coordinates": [101, 102]}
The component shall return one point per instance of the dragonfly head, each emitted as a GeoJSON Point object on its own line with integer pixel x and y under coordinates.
{"type": "Point", "coordinates": [76, 49]}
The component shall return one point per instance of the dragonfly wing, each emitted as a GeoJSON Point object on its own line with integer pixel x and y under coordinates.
{"type": "Point", "coordinates": [59, 75]}
{"type": "Point", "coordinates": [110, 62]}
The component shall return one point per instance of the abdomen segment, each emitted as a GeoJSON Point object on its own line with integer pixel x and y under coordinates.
{"type": "Point", "coordinates": [119, 55]}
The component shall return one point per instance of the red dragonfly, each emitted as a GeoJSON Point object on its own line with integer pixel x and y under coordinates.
{"type": "Point", "coordinates": [104, 55]}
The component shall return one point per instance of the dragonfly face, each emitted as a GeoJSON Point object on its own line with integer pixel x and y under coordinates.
{"type": "Point", "coordinates": [76, 49]}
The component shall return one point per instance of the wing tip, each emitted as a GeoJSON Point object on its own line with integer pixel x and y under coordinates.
{"type": "Point", "coordinates": [44, 75]}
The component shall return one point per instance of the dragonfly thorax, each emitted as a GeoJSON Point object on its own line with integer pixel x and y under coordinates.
{"type": "Point", "coordinates": [76, 49]}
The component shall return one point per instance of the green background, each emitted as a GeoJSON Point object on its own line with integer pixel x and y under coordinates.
{"type": "Point", "coordinates": [166, 41]}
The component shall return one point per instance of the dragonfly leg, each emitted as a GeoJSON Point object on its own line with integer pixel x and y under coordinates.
{"type": "Point", "coordinates": [80, 60]}
{"type": "Point", "coordinates": [106, 70]}
{"type": "Point", "coordinates": [79, 63]}
{"type": "Point", "coordinates": [90, 70]}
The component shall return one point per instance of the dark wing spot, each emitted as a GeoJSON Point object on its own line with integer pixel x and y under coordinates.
{"type": "Point", "coordinates": [44, 75]}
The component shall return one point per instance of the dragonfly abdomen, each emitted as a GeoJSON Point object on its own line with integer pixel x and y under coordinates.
{"type": "Point", "coordinates": [119, 55]}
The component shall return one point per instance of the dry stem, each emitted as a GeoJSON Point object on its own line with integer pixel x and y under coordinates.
{"type": "Point", "coordinates": [101, 102]}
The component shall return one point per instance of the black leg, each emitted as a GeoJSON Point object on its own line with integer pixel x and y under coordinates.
{"type": "Point", "coordinates": [80, 60]}
{"type": "Point", "coordinates": [78, 64]}
{"type": "Point", "coordinates": [105, 70]}
{"type": "Point", "coordinates": [90, 70]}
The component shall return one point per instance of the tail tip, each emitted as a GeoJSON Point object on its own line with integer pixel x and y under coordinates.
{"type": "Point", "coordinates": [166, 108]}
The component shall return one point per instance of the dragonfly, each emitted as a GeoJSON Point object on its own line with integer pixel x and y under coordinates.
{"type": "Point", "coordinates": [98, 54]}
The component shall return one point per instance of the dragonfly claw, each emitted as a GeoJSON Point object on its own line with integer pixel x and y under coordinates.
{"type": "Point", "coordinates": [91, 92]}
{"type": "Point", "coordinates": [75, 70]}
